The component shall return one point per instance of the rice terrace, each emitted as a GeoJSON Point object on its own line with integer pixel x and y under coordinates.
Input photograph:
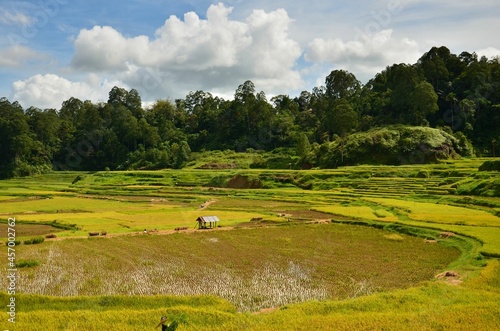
{"type": "Point", "coordinates": [354, 248]}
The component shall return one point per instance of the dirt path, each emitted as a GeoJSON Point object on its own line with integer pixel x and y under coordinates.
{"type": "Point", "coordinates": [143, 233]}
{"type": "Point", "coordinates": [206, 204]}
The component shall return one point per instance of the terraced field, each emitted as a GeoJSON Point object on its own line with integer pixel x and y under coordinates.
{"type": "Point", "coordinates": [306, 235]}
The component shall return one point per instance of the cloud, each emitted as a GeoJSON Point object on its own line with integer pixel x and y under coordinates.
{"type": "Point", "coordinates": [17, 18]}
{"type": "Point", "coordinates": [366, 55]}
{"type": "Point", "coordinates": [49, 91]}
{"type": "Point", "coordinates": [105, 49]}
{"type": "Point", "coordinates": [15, 56]}
{"type": "Point", "coordinates": [216, 53]}
{"type": "Point", "coordinates": [490, 52]}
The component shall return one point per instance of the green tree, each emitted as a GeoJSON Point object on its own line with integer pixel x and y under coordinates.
{"type": "Point", "coordinates": [162, 116]}
{"type": "Point", "coordinates": [341, 84]}
{"type": "Point", "coordinates": [424, 103]}
{"type": "Point", "coordinates": [131, 100]}
{"type": "Point", "coordinates": [148, 134]}
{"type": "Point", "coordinates": [16, 140]}
{"type": "Point", "coordinates": [202, 119]}
{"type": "Point", "coordinates": [341, 118]}
{"type": "Point", "coordinates": [71, 111]}
{"type": "Point", "coordinates": [303, 146]}
{"type": "Point", "coordinates": [45, 125]}
{"type": "Point", "coordinates": [126, 127]}
{"type": "Point", "coordinates": [181, 152]}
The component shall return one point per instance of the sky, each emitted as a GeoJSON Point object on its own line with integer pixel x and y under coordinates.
{"type": "Point", "coordinates": [52, 50]}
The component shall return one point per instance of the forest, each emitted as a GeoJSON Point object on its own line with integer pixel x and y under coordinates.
{"type": "Point", "coordinates": [445, 105]}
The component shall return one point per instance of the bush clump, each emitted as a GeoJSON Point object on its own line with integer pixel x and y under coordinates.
{"type": "Point", "coordinates": [490, 166]}
{"type": "Point", "coordinates": [34, 241]}
{"type": "Point", "coordinates": [393, 145]}
{"type": "Point", "coordinates": [27, 263]}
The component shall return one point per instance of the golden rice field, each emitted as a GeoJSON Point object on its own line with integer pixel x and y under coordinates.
{"type": "Point", "coordinates": [360, 249]}
{"type": "Point", "coordinates": [440, 213]}
{"type": "Point", "coordinates": [253, 268]}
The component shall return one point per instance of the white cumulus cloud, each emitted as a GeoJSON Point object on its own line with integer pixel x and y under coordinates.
{"type": "Point", "coordinates": [216, 54]}
{"type": "Point", "coordinates": [490, 52]}
{"type": "Point", "coordinates": [49, 91]}
{"type": "Point", "coordinates": [17, 55]}
{"type": "Point", "coordinates": [366, 55]}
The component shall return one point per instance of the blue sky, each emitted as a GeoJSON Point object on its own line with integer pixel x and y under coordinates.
{"type": "Point", "coordinates": [51, 50]}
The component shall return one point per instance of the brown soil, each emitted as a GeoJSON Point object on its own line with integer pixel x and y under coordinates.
{"type": "Point", "coordinates": [265, 311]}
{"type": "Point", "coordinates": [451, 277]}
{"type": "Point", "coordinates": [146, 233]}
{"type": "Point", "coordinates": [240, 181]}
{"type": "Point", "coordinates": [27, 230]}
{"type": "Point", "coordinates": [305, 214]}
{"type": "Point", "coordinates": [206, 204]}
{"type": "Point", "coordinates": [218, 166]}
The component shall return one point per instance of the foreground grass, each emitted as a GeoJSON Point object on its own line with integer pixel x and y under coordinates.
{"type": "Point", "coordinates": [473, 305]}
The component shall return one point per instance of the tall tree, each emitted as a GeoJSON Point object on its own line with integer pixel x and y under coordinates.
{"type": "Point", "coordinates": [424, 102]}
{"type": "Point", "coordinates": [341, 84]}
{"type": "Point", "coordinates": [16, 139]}
{"type": "Point", "coordinates": [343, 118]}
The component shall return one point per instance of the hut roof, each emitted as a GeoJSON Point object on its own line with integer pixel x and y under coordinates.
{"type": "Point", "coordinates": [208, 219]}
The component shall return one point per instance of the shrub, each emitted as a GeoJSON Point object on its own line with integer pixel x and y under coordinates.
{"type": "Point", "coordinates": [34, 241]}
{"type": "Point", "coordinates": [389, 145]}
{"type": "Point", "coordinates": [490, 166]}
{"type": "Point", "coordinates": [77, 179]}
{"type": "Point", "coordinates": [27, 263]}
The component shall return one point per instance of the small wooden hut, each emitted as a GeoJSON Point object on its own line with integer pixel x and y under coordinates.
{"type": "Point", "coordinates": [207, 222]}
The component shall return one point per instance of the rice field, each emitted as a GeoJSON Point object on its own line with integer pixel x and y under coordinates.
{"type": "Point", "coordinates": [440, 213]}
{"type": "Point", "coordinates": [430, 306]}
{"type": "Point", "coordinates": [251, 268]}
{"type": "Point", "coordinates": [342, 249]}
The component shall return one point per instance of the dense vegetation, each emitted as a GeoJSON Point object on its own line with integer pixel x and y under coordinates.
{"type": "Point", "coordinates": [459, 95]}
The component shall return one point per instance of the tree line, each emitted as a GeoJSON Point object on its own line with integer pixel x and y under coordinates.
{"type": "Point", "coordinates": [458, 93]}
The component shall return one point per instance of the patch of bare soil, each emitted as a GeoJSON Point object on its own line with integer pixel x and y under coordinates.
{"type": "Point", "coordinates": [206, 204]}
{"type": "Point", "coordinates": [19, 199]}
{"type": "Point", "coordinates": [450, 277]}
{"type": "Point", "coordinates": [305, 214]}
{"type": "Point", "coordinates": [218, 166]}
{"type": "Point", "coordinates": [265, 311]}
{"type": "Point", "coordinates": [245, 182]}
{"type": "Point", "coordinates": [26, 230]}
{"type": "Point", "coordinates": [146, 232]}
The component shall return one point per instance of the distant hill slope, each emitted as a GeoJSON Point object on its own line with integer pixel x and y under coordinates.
{"type": "Point", "coordinates": [392, 145]}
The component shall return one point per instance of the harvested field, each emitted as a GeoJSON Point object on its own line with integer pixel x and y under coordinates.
{"type": "Point", "coordinates": [29, 230]}
{"type": "Point", "coordinates": [316, 261]}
